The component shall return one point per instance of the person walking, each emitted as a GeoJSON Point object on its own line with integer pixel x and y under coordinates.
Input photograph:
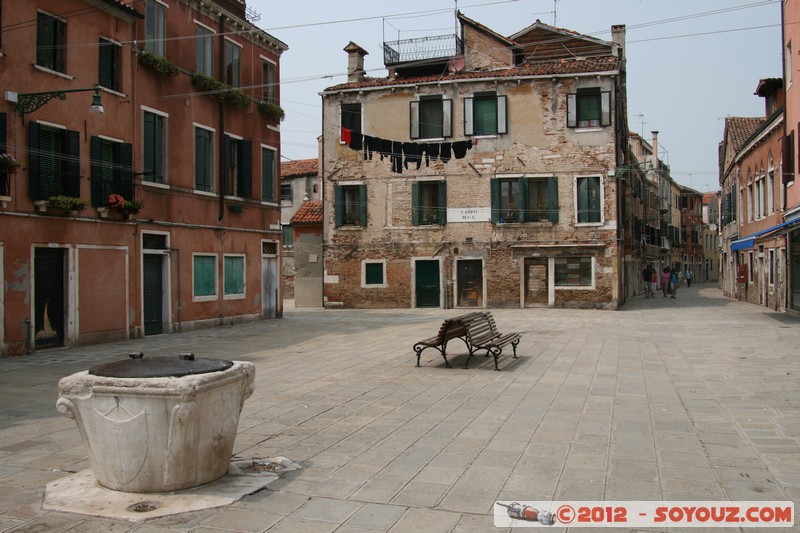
{"type": "Point", "coordinates": [665, 281]}
{"type": "Point", "coordinates": [653, 283]}
{"type": "Point", "coordinates": [675, 280]}
{"type": "Point", "coordinates": [647, 279]}
{"type": "Point", "coordinates": [689, 276]}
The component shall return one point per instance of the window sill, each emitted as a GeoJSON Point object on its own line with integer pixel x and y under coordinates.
{"type": "Point", "coordinates": [233, 297]}
{"type": "Point", "coordinates": [588, 224]}
{"type": "Point", "coordinates": [53, 72]}
{"type": "Point", "coordinates": [589, 130]}
{"type": "Point", "coordinates": [157, 185]}
{"type": "Point", "coordinates": [350, 228]}
{"type": "Point", "coordinates": [537, 224]}
{"type": "Point", "coordinates": [4, 200]}
{"type": "Point", "coordinates": [574, 288]}
{"type": "Point", "coordinates": [205, 193]}
{"type": "Point", "coordinates": [112, 91]}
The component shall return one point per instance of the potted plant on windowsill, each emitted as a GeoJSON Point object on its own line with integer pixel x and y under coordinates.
{"type": "Point", "coordinates": [272, 110]}
{"type": "Point", "coordinates": [161, 65]}
{"type": "Point", "coordinates": [8, 164]}
{"type": "Point", "coordinates": [221, 91]}
{"type": "Point", "coordinates": [66, 204]}
{"type": "Point", "coordinates": [119, 204]}
{"type": "Point", "coordinates": [350, 219]}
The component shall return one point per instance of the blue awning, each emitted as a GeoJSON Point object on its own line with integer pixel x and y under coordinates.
{"type": "Point", "coordinates": [748, 242]}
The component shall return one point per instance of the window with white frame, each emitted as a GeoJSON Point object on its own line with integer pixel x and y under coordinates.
{"type": "Point", "coordinates": [233, 63]}
{"type": "Point", "coordinates": [431, 117]}
{"type": "Point", "coordinates": [485, 114]}
{"type": "Point", "coordinates": [155, 27]}
{"type": "Point", "coordinates": [588, 200]}
{"type": "Point", "coordinates": [373, 274]}
{"type": "Point", "coordinates": [51, 40]}
{"type": "Point", "coordinates": [233, 273]}
{"type": "Point", "coordinates": [154, 147]}
{"type": "Point", "coordinates": [269, 81]}
{"type": "Point", "coordinates": [205, 51]}
{"type": "Point", "coordinates": [574, 272]}
{"type": "Point", "coordinates": [109, 66]}
{"type": "Point", "coordinates": [589, 108]}
{"type": "Point", "coordinates": [204, 277]}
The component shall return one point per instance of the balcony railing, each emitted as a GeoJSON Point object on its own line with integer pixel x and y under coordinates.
{"type": "Point", "coordinates": [421, 49]}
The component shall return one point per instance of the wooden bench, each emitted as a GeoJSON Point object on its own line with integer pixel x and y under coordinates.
{"type": "Point", "coordinates": [482, 334]}
{"type": "Point", "coordinates": [451, 328]}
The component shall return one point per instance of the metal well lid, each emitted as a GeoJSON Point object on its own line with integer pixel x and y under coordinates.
{"type": "Point", "coordinates": [159, 367]}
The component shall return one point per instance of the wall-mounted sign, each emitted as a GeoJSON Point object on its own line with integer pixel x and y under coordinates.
{"type": "Point", "coordinates": [469, 214]}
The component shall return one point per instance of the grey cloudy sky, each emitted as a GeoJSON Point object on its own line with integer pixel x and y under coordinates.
{"type": "Point", "coordinates": [690, 62]}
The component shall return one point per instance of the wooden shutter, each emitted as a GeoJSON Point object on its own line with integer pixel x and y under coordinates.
{"type": "Point", "coordinates": [245, 169]}
{"type": "Point", "coordinates": [338, 205]}
{"type": "Point", "coordinates": [502, 114]}
{"type": "Point", "coordinates": [552, 191]}
{"type": "Point", "coordinates": [226, 162]}
{"type": "Point", "coordinates": [3, 126]}
{"type": "Point", "coordinates": [605, 108]}
{"type": "Point", "coordinates": [447, 118]}
{"type": "Point", "coordinates": [572, 110]}
{"type": "Point", "coordinates": [414, 120]}
{"type": "Point", "coordinates": [495, 184]}
{"type": "Point", "coordinates": [34, 163]}
{"type": "Point", "coordinates": [362, 208]}
{"type": "Point", "coordinates": [125, 170]}
{"type": "Point", "coordinates": [469, 127]}
{"type": "Point", "coordinates": [96, 171]}
{"type": "Point", "coordinates": [442, 203]}
{"type": "Point", "coordinates": [71, 164]}
{"type": "Point", "coordinates": [415, 203]}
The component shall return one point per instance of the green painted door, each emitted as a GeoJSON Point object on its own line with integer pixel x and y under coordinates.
{"type": "Point", "coordinates": [427, 283]}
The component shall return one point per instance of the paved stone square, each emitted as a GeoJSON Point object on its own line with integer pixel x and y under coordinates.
{"type": "Point", "coordinates": [694, 398]}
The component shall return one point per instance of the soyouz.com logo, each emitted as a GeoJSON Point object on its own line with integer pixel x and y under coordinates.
{"type": "Point", "coordinates": [627, 514]}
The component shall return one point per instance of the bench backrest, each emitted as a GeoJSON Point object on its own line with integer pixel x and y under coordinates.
{"type": "Point", "coordinates": [481, 326]}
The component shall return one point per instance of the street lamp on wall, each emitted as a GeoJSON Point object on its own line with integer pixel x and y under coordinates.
{"type": "Point", "coordinates": [30, 102]}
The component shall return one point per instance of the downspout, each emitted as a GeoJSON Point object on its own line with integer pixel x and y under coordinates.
{"type": "Point", "coordinates": [221, 105]}
{"type": "Point", "coordinates": [322, 196]}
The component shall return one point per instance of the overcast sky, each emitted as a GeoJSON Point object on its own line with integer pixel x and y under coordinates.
{"type": "Point", "coordinates": [690, 63]}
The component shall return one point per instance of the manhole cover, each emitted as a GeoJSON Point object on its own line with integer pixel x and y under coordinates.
{"type": "Point", "coordinates": [142, 507]}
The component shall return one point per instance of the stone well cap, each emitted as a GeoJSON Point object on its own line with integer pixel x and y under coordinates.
{"type": "Point", "coordinates": [159, 367]}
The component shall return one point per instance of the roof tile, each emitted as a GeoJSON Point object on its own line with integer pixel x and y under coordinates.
{"type": "Point", "coordinates": [299, 167]}
{"type": "Point", "coordinates": [309, 213]}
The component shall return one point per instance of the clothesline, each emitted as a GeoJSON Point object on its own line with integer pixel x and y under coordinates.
{"type": "Point", "coordinates": [401, 153]}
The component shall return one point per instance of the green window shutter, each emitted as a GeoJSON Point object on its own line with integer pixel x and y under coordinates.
{"type": "Point", "coordinates": [125, 166]}
{"type": "Point", "coordinates": [447, 118]}
{"type": "Point", "coordinates": [414, 120]}
{"type": "Point", "coordinates": [149, 146]}
{"type": "Point", "coordinates": [373, 273]}
{"type": "Point", "coordinates": [267, 174]}
{"type": "Point", "coordinates": [572, 116]}
{"type": "Point", "coordinates": [415, 203]}
{"type": "Point", "coordinates": [552, 191]}
{"type": "Point", "coordinates": [442, 203]}
{"type": "Point", "coordinates": [485, 114]}
{"type": "Point", "coordinates": [246, 169]}
{"type": "Point", "coordinates": [468, 119]}
{"type": "Point", "coordinates": [71, 164]}
{"type": "Point", "coordinates": [234, 275]}
{"type": "Point", "coordinates": [202, 160]}
{"type": "Point", "coordinates": [502, 114]}
{"type": "Point", "coordinates": [34, 163]}
{"type": "Point", "coordinates": [589, 107]}
{"type": "Point", "coordinates": [495, 184]}
{"type": "Point", "coordinates": [226, 161]}
{"type": "Point", "coordinates": [338, 201]}
{"type": "Point", "coordinates": [605, 108]}
{"type": "Point", "coordinates": [96, 166]}
{"type": "Point", "coordinates": [522, 200]}
{"type": "Point", "coordinates": [583, 200]}
{"type": "Point", "coordinates": [362, 208]}
{"type": "Point", "coordinates": [204, 282]}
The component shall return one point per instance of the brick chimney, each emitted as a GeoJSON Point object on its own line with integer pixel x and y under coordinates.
{"type": "Point", "coordinates": [355, 62]}
{"type": "Point", "coordinates": [618, 38]}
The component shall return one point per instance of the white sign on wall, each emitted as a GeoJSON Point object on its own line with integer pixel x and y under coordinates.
{"type": "Point", "coordinates": [469, 214]}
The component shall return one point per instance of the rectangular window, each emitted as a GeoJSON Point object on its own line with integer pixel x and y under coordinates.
{"type": "Point", "coordinates": [485, 114]}
{"type": "Point", "coordinates": [155, 27]}
{"type": "Point", "coordinates": [431, 118]}
{"type": "Point", "coordinates": [351, 117]}
{"type": "Point", "coordinates": [112, 170]}
{"type": "Point", "coordinates": [286, 192]}
{"type": "Point", "coordinates": [50, 42]}
{"type": "Point", "coordinates": [588, 199]}
{"type": "Point", "coordinates": [232, 166]}
{"type": "Point", "coordinates": [203, 170]}
{"type": "Point", "coordinates": [109, 65]}
{"type": "Point", "coordinates": [268, 175]}
{"type": "Point", "coordinates": [589, 108]}
{"type": "Point", "coordinates": [429, 203]}
{"type": "Point", "coordinates": [772, 267]}
{"type": "Point", "coordinates": [350, 205]}
{"type": "Point", "coordinates": [574, 272]}
{"type": "Point", "coordinates": [204, 277]}
{"type": "Point", "coordinates": [54, 162]}
{"type": "Point", "coordinates": [788, 67]}
{"type": "Point", "coordinates": [205, 51]}
{"type": "Point", "coordinates": [771, 191]}
{"type": "Point", "coordinates": [269, 82]}
{"type": "Point", "coordinates": [154, 147]}
{"type": "Point", "coordinates": [233, 274]}
{"type": "Point", "coordinates": [233, 53]}
{"type": "Point", "coordinates": [374, 274]}
{"type": "Point", "coordinates": [525, 199]}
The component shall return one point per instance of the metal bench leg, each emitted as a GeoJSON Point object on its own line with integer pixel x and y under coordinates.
{"type": "Point", "coordinates": [514, 345]}
{"type": "Point", "coordinates": [496, 353]}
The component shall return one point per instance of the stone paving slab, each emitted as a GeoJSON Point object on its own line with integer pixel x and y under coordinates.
{"type": "Point", "coordinates": [694, 398]}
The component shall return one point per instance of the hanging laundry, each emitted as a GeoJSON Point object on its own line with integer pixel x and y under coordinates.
{"type": "Point", "coordinates": [346, 136]}
{"type": "Point", "coordinates": [433, 150]}
{"type": "Point", "coordinates": [397, 157]}
{"type": "Point", "coordinates": [445, 151]}
{"type": "Point", "coordinates": [460, 148]}
{"type": "Point", "coordinates": [356, 141]}
{"type": "Point", "coordinates": [386, 148]}
{"type": "Point", "coordinates": [413, 154]}
{"type": "Point", "coordinates": [367, 147]}
{"type": "Point", "coordinates": [423, 152]}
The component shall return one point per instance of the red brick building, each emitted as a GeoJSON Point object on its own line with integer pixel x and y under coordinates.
{"type": "Point", "coordinates": [160, 214]}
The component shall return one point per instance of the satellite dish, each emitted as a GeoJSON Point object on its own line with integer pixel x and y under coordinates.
{"type": "Point", "coordinates": [712, 227]}
{"type": "Point", "coordinates": [456, 64]}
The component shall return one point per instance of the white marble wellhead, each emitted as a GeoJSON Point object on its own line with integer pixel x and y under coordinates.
{"type": "Point", "coordinates": [160, 434]}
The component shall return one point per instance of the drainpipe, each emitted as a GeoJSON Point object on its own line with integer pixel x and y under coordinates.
{"type": "Point", "coordinates": [221, 106]}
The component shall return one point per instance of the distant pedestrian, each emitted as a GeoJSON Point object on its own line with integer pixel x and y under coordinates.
{"type": "Point", "coordinates": [654, 283]}
{"type": "Point", "coordinates": [665, 281]}
{"type": "Point", "coordinates": [647, 279]}
{"type": "Point", "coordinates": [689, 277]}
{"type": "Point", "coordinates": [675, 281]}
